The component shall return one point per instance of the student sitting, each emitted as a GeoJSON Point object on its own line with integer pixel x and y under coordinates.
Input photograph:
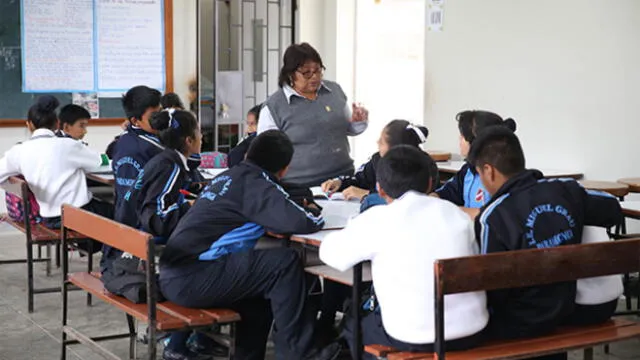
{"type": "Point", "coordinates": [156, 202]}
{"type": "Point", "coordinates": [139, 143]}
{"type": "Point", "coordinates": [209, 260]}
{"type": "Point", "coordinates": [363, 182]}
{"type": "Point", "coordinates": [423, 229]}
{"type": "Point", "coordinates": [465, 188]}
{"type": "Point", "coordinates": [111, 148]}
{"type": "Point", "coordinates": [171, 101]}
{"type": "Point", "coordinates": [529, 212]}
{"type": "Point", "coordinates": [237, 154]}
{"type": "Point", "coordinates": [54, 167]}
{"type": "Point", "coordinates": [596, 298]}
{"type": "Point", "coordinates": [74, 120]}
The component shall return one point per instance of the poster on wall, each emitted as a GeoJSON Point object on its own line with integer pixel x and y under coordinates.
{"type": "Point", "coordinates": [88, 101]}
{"type": "Point", "coordinates": [92, 46]}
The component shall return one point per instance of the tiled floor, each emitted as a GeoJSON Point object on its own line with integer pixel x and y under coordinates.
{"type": "Point", "coordinates": [25, 336]}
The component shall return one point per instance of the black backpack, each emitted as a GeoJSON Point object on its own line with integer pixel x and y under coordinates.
{"type": "Point", "coordinates": [126, 277]}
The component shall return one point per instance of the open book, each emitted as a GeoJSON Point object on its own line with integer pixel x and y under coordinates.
{"type": "Point", "coordinates": [319, 194]}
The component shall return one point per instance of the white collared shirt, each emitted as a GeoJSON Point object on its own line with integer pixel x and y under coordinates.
{"type": "Point", "coordinates": [266, 121]}
{"type": "Point", "coordinates": [54, 167]}
{"type": "Point", "coordinates": [402, 240]}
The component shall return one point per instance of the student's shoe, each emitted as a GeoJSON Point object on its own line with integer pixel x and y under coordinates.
{"type": "Point", "coordinates": [329, 352]}
{"type": "Point", "coordinates": [211, 349]}
{"type": "Point", "coordinates": [172, 355]}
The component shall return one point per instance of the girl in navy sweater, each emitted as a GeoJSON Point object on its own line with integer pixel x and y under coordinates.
{"type": "Point", "coordinates": [156, 201]}
{"type": "Point", "coordinates": [465, 188]}
{"type": "Point", "coordinates": [363, 182]}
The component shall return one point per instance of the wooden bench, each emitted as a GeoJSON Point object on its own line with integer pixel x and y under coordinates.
{"type": "Point", "coordinates": [164, 316]}
{"type": "Point", "coordinates": [35, 235]}
{"type": "Point", "coordinates": [524, 268]}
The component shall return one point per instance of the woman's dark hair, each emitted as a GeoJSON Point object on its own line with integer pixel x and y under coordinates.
{"type": "Point", "coordinates": [174, 127]}
{"type": "Point", "coordinates": [294, 57]}
{"type": "Point", "coordinates": [402, 132]}
{"type": "Point", "coordinates": [42, 114]}
{"type": "Point", "coordinates": [171, 100]}
{"type": "Point", "coordinates": [471, 122]}
{"type": "Point", "coordinates": [272, 150]}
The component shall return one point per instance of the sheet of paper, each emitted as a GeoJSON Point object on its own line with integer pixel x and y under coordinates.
{"type": "Point", "coordinates": [130, 44]}
{"type": "Point", "coordinates": [57, 46]}
{"type": "Point", "coordinates": [88, 101]}
{"type": "Point", "coordinates": [435, 18]}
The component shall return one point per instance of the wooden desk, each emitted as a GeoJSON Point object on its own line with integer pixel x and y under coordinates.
{"type": "Point", "coordinates": [105, 175]}
{"type": "Point", "coordinates": [452, 167]}
{"type": "Point", "coordinates": [439, 156]}
{"type": "Point", "coordinates": [633, 183]}
{"type": "Point", "coordinates": [616, 189]}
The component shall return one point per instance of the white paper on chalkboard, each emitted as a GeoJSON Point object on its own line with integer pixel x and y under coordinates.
{"type": "Point", "coordinates": [57, 46]}
{"type": "Point", "coordinates": [130, 45]}
{"type": "Point", "coordinates": [92, 46]}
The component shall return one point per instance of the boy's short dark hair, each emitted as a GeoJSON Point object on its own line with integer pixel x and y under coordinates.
{"type": "Point", "coordinates": [171, 100]}
{"type": "Point", "coordinates": [499, 147]}
{"type": "Point", "coordinates": [272, 150]}
{"type": "Point", "coordinates": [405, 168]}
{"type": "Point", "coordinates": [256, 111]}
{"type": "Point", "coordinates": [138, 99]}
{"type": "Point", "coordinates": [71, 113]}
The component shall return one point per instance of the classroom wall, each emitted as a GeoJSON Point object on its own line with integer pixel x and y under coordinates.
{"type": "Point", "coordinates": [184, 50]}
{"type": "Point", "coordinates": [567, 71]}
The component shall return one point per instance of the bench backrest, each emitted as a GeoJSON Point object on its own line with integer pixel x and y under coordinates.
{"type": "Point", "coordinates": [109, 232]}
{"type": "Point", "coordinates": [524, 268]}
{"type": "Point", "coordinates": [16, 186]}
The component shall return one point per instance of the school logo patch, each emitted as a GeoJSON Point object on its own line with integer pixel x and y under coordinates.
{"type": "Point", "coordinates": [480, 196]}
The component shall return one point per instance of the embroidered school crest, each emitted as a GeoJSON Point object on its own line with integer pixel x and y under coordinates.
{"type": "Point", "coordinates": [480, 196]}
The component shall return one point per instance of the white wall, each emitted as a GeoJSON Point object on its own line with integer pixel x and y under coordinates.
{"type": "Point", "coordinates": [567, 71]}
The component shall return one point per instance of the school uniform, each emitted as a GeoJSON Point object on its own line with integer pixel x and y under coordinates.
{"type": "Point", "coordinates": [465, 189]}
{"type": "Point", "coordinates": [134, 148]}
{"type": "Point", "coordinates": [238, 153]}
{"type": "Point", "coordinates": [596, 298]}
{"type": "Point", "coordinates": [209, 260]}
{"type": "Point", "coordinates": [402, 240]}
{"type": "Point", "coordinates": [530, 212]}
{"type": "Point", "coordinates": [364, 177]}
{"type": "Point", "coordinates": [54, 168]}
{"type": "Point", "coordinates": [154, 203]}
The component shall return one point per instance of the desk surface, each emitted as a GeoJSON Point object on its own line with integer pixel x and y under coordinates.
{"type": "Point", "coordinates": [105, 175]}
{"type": "Point", "coordinates": [452, 167]}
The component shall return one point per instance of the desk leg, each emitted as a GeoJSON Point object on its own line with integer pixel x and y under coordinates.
{"type": "Point", "coordinates": [357, 331]}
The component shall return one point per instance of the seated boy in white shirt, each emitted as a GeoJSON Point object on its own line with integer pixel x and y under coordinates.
{"type": "Point", "coordinates": [54, 167]}
{"type": "Point", "coordinates": [402, 240]}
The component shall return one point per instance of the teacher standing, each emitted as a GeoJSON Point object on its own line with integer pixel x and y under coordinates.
{"type": "Point", "coordinates": [316, 116]}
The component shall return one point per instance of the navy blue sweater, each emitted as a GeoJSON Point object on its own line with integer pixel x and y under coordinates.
{"type": "Point", "coordinates": [231, 214]}
{"type": "Point", "coordinates": [529, 212]}
{"type": "Point", "coordinates": [134, 148]}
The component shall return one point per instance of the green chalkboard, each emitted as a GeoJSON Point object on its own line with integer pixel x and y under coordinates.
{"type": "Point", "coordinates": [13, 102]}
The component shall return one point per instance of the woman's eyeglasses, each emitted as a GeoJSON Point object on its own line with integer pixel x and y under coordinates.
{"type": "Point", "coordinates": [308, 74]}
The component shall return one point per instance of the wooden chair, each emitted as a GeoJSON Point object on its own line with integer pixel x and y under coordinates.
{"type": "Point", "coordinates": [35, 235]}
{"type": "Point", "coordinates": [514, 269]}
{"type": "Point", "coordinates": [633, 183]}
{"type": "Point", "coordinates": [164, 316]}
